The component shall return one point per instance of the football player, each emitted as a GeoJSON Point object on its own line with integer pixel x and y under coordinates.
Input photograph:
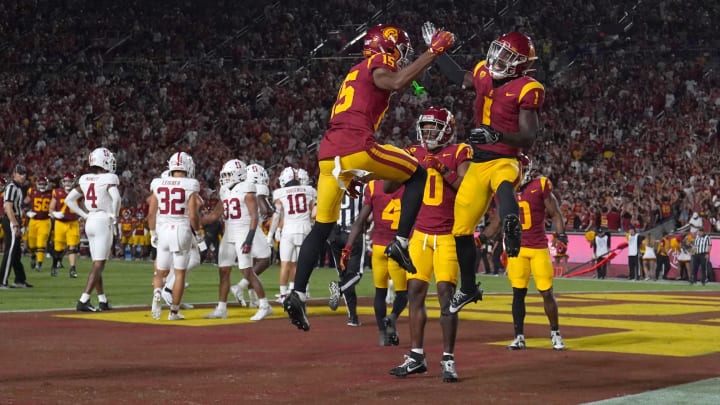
{"type": "Point", "coordinates": [432, 246]}
{"type": "Point", "coordinates": [38, 232]}
{"type": "Point", "coordinates": [99, 188]}
{"type": "Point", "coordinates": [348, 147]}
{"type": "Point", "coordinates": [506, 108]}
{"type": "Point", "coordinates": [536, 201]}
{"type": "Point", "coordinates": [174, 222]}
{"type": "Point", "coordinates": [66, 233]}
{"type": "Point", "coordinates": [295, 207]}
{"type": "Point", "coordinates": [242, 239]}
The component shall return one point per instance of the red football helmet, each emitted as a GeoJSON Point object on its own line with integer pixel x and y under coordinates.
{"type": "Point", "coordinates": [442, 132]}
{"type": "Point", "coordinates": [387, 38]}
{"type": "Point", "coordinates": [68, 181]}
{"type": "Point", "coordinates": [526, 168]}
{"type": "Point", "coordinates": [510, 55]}
{"type": "Point", "coordinates": [41, 184]}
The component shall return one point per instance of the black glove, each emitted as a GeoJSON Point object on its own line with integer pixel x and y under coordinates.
{"type": "Point", "coordinates": [484, 135]}
{"type": "Point", "coordinates": [563, 238]}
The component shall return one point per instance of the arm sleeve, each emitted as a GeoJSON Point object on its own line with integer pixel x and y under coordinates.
{"type": "Point", "coordinates": [71, 202]}
{"type": "Point", "coordinates": [116, 199]}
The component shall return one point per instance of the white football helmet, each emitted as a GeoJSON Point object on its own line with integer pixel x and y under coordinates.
{"type": "Point", "coordinates": [256, 174]}
{"type": "Point", "coordinates": [233, 171]}
{"type": "Point", "coordinates": [103, 158]}
{"type": "Point", "coordinates": [287, 175]}
{"type": "Point", "coordinates": [182, 162]}
{"type": "Point", "coordinates": [303, 177]}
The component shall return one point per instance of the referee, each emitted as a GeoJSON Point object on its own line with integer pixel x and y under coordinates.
{"type": "Point", "coordinates": [349, 210]}
{"type": "Point", "coordinates": [701, 251]}
{"type": "Point", "coordinates": [12, 202]}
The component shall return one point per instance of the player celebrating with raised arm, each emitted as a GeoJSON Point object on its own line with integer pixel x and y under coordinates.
{"type": "Point", "coordinates": [349, 146]}
{"type": "Point", "coordinates": [432, 246]}
{"type": "Point", "coordinates": [506, 119]}
{"type": "Point", "coordinates": [102, 202]}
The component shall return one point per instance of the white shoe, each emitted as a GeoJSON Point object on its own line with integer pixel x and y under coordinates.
{"type": "Point", "coordinates": [156, 308]}
{"type": "Point", "coordinates": [238, 293]}
{"type": "Point", "coordinates": [186, 306]}
{"type": "Point", "coordinates": [280, 298]}
{"type": "Point", "coordinates": [217, 313]}
{"type": "Point", "coordinates": [518, 343]}
{"type": "Point", "coordinates": [166, 296]}
{"type": "Point", "coordinates": [175, 316]}
{"type": "Point", "coordinates": [557, 341]}
{"type": "Point", "coordinates": [253, 301]}
{"type": "Point", "coordinates": [262, 313]}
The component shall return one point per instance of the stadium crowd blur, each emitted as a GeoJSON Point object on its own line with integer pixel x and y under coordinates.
{"type": "Point", "coordinates": [630, 121]}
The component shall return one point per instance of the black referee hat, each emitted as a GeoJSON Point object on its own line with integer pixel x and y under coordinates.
{"type": "Point", "coordinates": [20, 169]}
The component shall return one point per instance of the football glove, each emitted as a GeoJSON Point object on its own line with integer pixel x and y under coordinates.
{"type": "Point", "coordinates": [246, 247]}
{"type": "Point", "coordinates": [154, 239]}
{"type": "Point", "coordinates": [58, 215]}
{"type": "Point", "coordinates": [484, 135]}
{"type": "Point", "coordinates": [354, 188]}
{"type": "Point", "coordinates": [428, 30]}
{"type": "Point", "coordinates": [345, 257]}
{"type": "Point", "coordinates": [432, 162]}
{"type": "Point", "coordinates": [30, 214]}
{"type": "Point", "coordinates": [441, 42]}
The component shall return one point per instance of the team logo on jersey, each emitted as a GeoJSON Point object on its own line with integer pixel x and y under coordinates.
{"type": "Point", "coordinates": [483, 74]}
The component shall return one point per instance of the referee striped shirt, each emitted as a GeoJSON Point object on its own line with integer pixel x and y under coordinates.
{"type": "Point", "coordinates": [349, 210]}
{"type": "Point", "coordinates": [702, 244]}
{"type": "Point", "coordinates": [14, 195]}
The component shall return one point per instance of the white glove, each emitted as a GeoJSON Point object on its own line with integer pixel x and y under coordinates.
{"type": "Point", "coordinates": [269, 240]}
{"type": "Point", "coordinates": [428, 30]}
{"type": "Point", "coordinates": [30, 214]}
{"type": "Point", "coordinates": [154, 239]}
{"type": "Point", "coordinates": [278, 234]}
{"type": "Point", "coordinates": [58, 215]}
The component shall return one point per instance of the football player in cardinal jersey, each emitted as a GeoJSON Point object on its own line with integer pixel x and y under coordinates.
{"type": "Point", "coordinates": [66, 234]}
{"type": "Point", "coordinates": [38, 199]}
{"type": "Point", "coordinates": [294, 206]}
{"type": "Point", "coordinates": [536, 201]}
{"type": "Point", "coordinates": [506, 108]}
{"type": "Point", "coordinates": [348, 147]}
{"type": "Point", "coordinates": [243, 239]}
{"type": "Point", "coordinates": [432, 246]}
{"type": "Point", "coordinates": [174, 222]}
{"type": "Point", "coordinates": [102, 202]}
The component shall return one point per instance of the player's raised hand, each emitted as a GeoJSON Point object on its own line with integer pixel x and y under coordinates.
{"type": "Point", "coordinates": [441, 41]}
{"type": "Point", "coordinates": [428, 30]}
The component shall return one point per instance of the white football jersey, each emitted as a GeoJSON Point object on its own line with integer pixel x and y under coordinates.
{"type": "Point", "coordinates": [95, 190]}
{"type": "Point", "coordinates": [236, 213]}
{"type": "Point", "coordinates": [173, 194]}
{"type": "Point", "coordinates": [297, 202]}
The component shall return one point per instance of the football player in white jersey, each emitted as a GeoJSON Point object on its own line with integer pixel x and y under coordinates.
{"type": "Point", "coordinates": [243, 239]}
{"type": "Point", "coordinates": [174, 222]}
{"type": "Point", "coordinates": [102, 205]}
{"type": "Point", "coordinates": [295, 206]}
{"type": "Point", "coordinates": [256, 175]}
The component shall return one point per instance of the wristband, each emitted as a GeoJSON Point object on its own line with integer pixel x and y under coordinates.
{"type": "Point", "coordinates": [451, 176]}
{"type": "Point", "coordinates": [250, 236]}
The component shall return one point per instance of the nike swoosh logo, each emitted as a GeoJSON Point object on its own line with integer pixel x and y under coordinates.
{"type": "Point", "coordinates": [509, 94]}
{"type": "Point", "coordinates": [410, 369]}
{"type": "Point", "coordinates": [447, 154]}
{"type": "Point", "coordinates": [533, 191]}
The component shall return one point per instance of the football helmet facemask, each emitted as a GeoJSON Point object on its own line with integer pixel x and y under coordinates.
{"type": "Point", "coordinates": [102, 158]}
{"type": "Point", "coordinates": [511, 55]}
{"type": "Point", "coordinates": [442, 131]}
{"type": "Point", "coordinates": [182, 162]}
{"type": "Point", "coordinates": [388, 39]}
{"type": "Point", "coordinates": [256, 174]}
{"type": "Point", "coordinates": [233, 171]}
{"type": "Point", "coordinates": [526, 168]}
{"type": "Point", "coordinates": [41, 184]}
{"type": "Point", "coordinates": [68, 181]}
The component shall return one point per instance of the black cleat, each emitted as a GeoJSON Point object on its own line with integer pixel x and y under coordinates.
{"type": "Point", "coordinates": [105, 306]}
{"type": "Point", "coordinates": [448, 369]}
{"type": "Point", "coordinates": [512, 235]}
{"type": "Point", "coordinates": [295, 308]}
{"type": "Point", "coordinates": [391, 335]}
{"type": "Point", "coordinates": [460, 299]}
{"type": "Point", "coordinates": [400, 254]}
{"type": "Point", "coordinates": [85, 307]}
{"type": "Point", "coordinates": [73, 272]}
{"type": "Point", "coordinates": [414, 364]}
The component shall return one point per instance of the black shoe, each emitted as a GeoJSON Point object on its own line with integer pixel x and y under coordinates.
{"type": "Point", "coordinates": [414, 364]}
{"type": "Point", "coordinates": [512, 235]}
{"type": "Point", "coordinates": [295, 308]}
{"type": "Point", "coordinates": [400, 254]}
{"type": "Point", "coordinates": [53, 272]}
{"type": "Point", "coordinates": [105, 306]}
{"type": "Point", "coordinates": [460, 299]}
{"type": "Point", "coordinates": [85, 307]}
{"type": "Point", "coordinates": [448, 369]}
{"type": "Point", "coordinates": [391, 335]}
{"type": "Point", "coordinates": [38, 267]}
{"type": "Point", "coordinates": [73, 272]}
{"type": "Point", "coordinates": [33, 260]}
{"type": "Point", "coordinates": [22, 284]}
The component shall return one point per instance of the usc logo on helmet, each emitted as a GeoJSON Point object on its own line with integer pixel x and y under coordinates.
{"type": "Point", "coordinates": [390, 33]}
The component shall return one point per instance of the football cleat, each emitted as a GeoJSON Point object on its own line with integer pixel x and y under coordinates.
{"type": "Point", "coordinates": [156, 307]}
{"type": "Point", "coordinates": [175, 316]}
{"type": "Point", "coordinates": [557, 340]}
{"type": "Point", "coordinates": [217, 313]}
{"type": "Point", "coordinates": [262, 313]}
{"type": "Point", "coordinates": [447, 365]}
{"type": "Point", "coordinates": [518, 343]}
{"type": "Point", "coordinates": [512, 234]}
{"type": "Point", "coordinates": [391, 335]}
{"type": "Point", "coordinates": [460, 299]}
{"type": "Point", "coordinates": [238, 292]}
{"type": "Point", "coordinates": [400, 254]}
{"type": "Point", "coordinates": [105, 306]}
{"type": "Point", "coordinates": [334, 300]}
{"type": "Point", "coordinates": [85, 307]}
{"type": "Point", "coordinates": [414, 363]}
{"type": "Point", "coordinates": [295, 308]}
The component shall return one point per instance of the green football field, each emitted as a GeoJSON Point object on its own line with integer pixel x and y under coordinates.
{"type": "Point", "coordinates": [128, 283]}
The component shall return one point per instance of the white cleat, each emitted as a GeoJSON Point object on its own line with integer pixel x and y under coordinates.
{"type": "Point", "coordinates": [238, 293]}
{"type": "Point", "coordinates": [156, 308]}
{"type": "Point", "coordinates": [186, 306]}
{"type": "Point", "coordinates": [557, 341]}
{"type": "Point", "coordinates": [253, 300]}
{"type": "Point", "coordinates": [175, 316]}
{"type": "Point", "coordinates": [217, 313]}
{"type": "Point", "coordinates": [262, 313]}
{"type": "Point", "coordinates": [518, 343]}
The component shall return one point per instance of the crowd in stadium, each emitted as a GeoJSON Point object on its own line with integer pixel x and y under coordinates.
{"type": "Point", "coordinates": [630, 121]}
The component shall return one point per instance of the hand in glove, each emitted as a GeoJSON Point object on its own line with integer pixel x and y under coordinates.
{"type": "Point", "coordinates": [484, 135]}
{"type": "Point", "coordinates": [345, 257]}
